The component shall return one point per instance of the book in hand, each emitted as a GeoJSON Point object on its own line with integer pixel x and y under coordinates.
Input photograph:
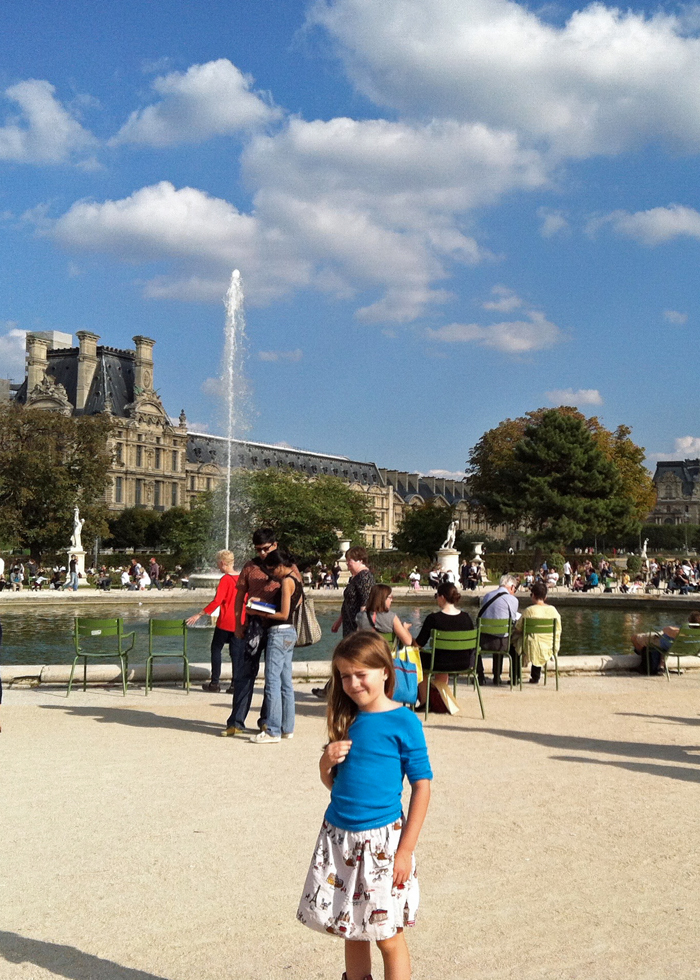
{"type": "Point", "coordinates": [257, 605]}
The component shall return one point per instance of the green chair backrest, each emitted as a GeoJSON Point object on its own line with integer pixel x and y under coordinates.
{"type": "Point", "coordinates": [166, 627]}
{"type": "Point", "coordinates": [454, 642]}
{"type": "Point", "coordinates": [687, 643]}
{"type": "Point", "coordinates": [534, 626]}
{"type": "Point", "coordinates": [97, 627]}
{"type": "Point", "coordinates": [495, 627]}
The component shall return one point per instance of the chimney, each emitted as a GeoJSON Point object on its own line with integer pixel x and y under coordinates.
{"type": "Point", "coordinates": [143, 375]}
{"type": "Point", "coordinates": [87, 365]}
{"type": "Point", "coordinates": [36, 361]}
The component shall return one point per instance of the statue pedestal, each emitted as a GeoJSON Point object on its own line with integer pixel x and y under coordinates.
{"type": "Point", "coordinates": [344, 576]}
{"type": "Point", "coordinates": [80, 558]}
{"type": "Point", "coordinates": [448, 561]}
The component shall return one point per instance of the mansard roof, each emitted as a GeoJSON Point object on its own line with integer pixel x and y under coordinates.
{"type": "Point", "coordinates": [203, 449]}
{"type": "Point", "coordinates": [687, 471]}
{"type": "Point", "coordinates": [112, 385]}
{"type": "Point", "coordinates": [411, 485]}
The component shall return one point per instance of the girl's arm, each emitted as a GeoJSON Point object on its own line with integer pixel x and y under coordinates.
{"type": "Point", "coordinates": [420, 797]}
{"type": "Point", "coordinates": [334, 754]}
{"type": "Point", "coordinates": [402, 632]}
{"type": "Point", "coordinates": [287, 588]}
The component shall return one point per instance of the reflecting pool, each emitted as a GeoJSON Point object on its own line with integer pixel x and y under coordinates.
{"type": "Point", "coordinates": [44, 636]}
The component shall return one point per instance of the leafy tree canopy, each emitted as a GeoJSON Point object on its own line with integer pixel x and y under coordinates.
{"type": "Point", "coordinates": [305, 513]}
{"type": "Point", "coordinates": [423, 529]}
{"type": "Point", "coordinates": [49, 463]}
{"type": "Point", "coordinates": [560, 474]}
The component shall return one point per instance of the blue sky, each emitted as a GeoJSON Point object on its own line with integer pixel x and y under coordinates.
{"type": "Point", "coordinates": [445, 212]}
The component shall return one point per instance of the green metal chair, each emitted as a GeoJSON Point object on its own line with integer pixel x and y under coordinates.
{"type": "Point", "coordinates": [497, 627]}
{"type": "Point", "coordinates": [391, 640]}
{"type": "Point", "coordinates": [99, 630]}
{"type": "Point", "coordinates": [172, 628]}
{"type": "Point", "coordinates": [445, 641]}
{"type": "Point", "coordinates": [541, 627]}
{"type": "Point", "coordinates": [686, 644]}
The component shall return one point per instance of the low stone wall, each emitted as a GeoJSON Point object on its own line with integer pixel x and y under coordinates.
{"type": "Point", "coordinates": [303, 670]}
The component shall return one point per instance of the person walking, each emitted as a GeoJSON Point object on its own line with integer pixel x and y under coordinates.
{"type": "Point", "coordinates": [361, 885]}
{"type": "Point", "coordinates": [225, 629]}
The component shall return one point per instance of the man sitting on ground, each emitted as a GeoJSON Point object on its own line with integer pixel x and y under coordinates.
{"type": "Point", "coordinates": [655, 645]}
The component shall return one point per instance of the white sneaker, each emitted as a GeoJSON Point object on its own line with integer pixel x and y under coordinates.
{"type": "Point", "coordinates": [262, 738]}
{"type": "Point", "coordinates": [287, 734]}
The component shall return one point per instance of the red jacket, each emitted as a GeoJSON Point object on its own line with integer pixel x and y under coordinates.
{"type": "Point", "coordinates": [225, 598]}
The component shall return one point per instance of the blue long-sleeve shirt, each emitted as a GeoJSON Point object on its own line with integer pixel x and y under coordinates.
{"type": "Point", "coordinates": [386, 747]}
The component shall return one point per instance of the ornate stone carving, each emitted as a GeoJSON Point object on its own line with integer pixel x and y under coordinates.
{"type": "Point", "coordinates": [49, 394]}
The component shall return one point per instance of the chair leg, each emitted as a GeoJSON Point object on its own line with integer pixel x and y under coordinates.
{"type": "Point", "coordinates": [668, 676]}
{"type": "Point", "coordinates": [70, 679]}
{"type": "Point", "coordinates": [478, 691]}
{"type": "Point", "coordinates": [84, 673]}
{"type": "Point", "coordinates": [545, 675]}
{"type": "Point", "coordinates": [428, 677]}
{"type": "Point", "coordinates": [125, 668]}
{"type": "Point", "coordinates": [149, 661]}
{"type": "Point", "coordinates": [556, 671]}
{"type": "Point", "coordinates": [187, 675]}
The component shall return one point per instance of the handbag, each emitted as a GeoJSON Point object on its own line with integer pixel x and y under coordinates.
{"type": "Point", "coordinates": [305, 623]}
{"type": "Point", "coordinates": [405, 681]}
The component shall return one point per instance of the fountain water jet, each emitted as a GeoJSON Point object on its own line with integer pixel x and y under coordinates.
{"type": "Point", "coordinates": [234, 334]}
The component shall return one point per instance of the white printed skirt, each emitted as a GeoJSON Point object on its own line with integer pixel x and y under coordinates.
{"type": "Point", "coordinates": [349, 889]}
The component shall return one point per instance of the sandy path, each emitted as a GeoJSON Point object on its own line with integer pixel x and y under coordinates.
{"type": "Point", "coordinates": [560, 843]}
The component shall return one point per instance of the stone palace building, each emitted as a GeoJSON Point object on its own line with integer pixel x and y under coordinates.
{"type": "Point", "coordinates": [159, 463]}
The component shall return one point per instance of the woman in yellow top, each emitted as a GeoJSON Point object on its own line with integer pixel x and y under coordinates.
{"type": "Point", "coordinates": [537, 649]}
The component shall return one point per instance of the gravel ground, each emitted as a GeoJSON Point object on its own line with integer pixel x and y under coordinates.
{"type": "Point", "coordinates": [560, 841]}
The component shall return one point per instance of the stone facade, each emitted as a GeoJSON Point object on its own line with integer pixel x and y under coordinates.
{"type": "Point", "coordinates": [159, 464]}
{"type": "Point", "coordinates": [678, 492]}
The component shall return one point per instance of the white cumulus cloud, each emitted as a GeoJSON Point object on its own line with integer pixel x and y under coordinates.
{"type": "Point", "coordinates": [204, 101]}
{"type": "Point", "coordinates": [505, 302]}
{"type": "Point", "coordinates": [582, 396]}
{"type": "Point", "coordinates": [511, 337]}
{"type": "Point", "coordinates": [675, 317]}
{"type": "Point", "coordinates": [606, 80]}
{"type": "Point", "coordinates": [12, 351]}
{"type": "Point", "coordinates": [280, 355]}
{"type": "Point", "coordinates": [43, 131]}
{"type": "Point", "coordinates": [688, 445]}
{"type": "Point", "coordinates": [553, 222]}
{"type": "Point", "coordinates": [447, 474]}
{"type": "Point", "coordinates": [653, 227]}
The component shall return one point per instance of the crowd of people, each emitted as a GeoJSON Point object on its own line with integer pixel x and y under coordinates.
{"type": "Point", "coordinates": [19, 574]}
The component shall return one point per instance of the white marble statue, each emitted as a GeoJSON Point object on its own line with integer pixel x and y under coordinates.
{"type": "Point", "coordinates": [449, 541]}
{"type": "Point", "coordinates": [644, 547]}
{"type": "Point", "coordinates": [76, 543]}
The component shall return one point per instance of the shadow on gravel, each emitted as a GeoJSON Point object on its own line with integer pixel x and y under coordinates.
{"type": "Point", "coordinates": [672, 718]}
{"type": "Point", "coordinates": [670, 772]}
{"type": "Point", "coordinates": [137, 719]}
{"type": "Point", "coordinates": [633, 750]}
{"type": "Point", "coordinates": [65, 961]}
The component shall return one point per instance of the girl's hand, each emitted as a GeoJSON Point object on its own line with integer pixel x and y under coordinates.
{"type": "Point", "coordinates": [336, 625]}
{"type": "Point", "coordinates": [193, 619]}
{"type": "Point", "coordinates": [402, 866]}
{"type": "Point", "coordinates": [335, 753]}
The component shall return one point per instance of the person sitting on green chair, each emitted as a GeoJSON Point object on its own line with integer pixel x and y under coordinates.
{"type": "Point", "coordinates": [537, 649]}
{"type": "Point", "coordinates": [656, 643]}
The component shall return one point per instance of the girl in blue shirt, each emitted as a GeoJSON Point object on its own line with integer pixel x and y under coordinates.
{"type": "Point", "coordinates": [362, 883]}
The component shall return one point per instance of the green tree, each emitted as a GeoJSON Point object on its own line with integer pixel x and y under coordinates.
{"type": "Point", "coordinates": [557, 481]}
{"type": "Point", "coordinates": [49, 463]}
{"type": "Point", "coordinates": [631, 491]}
{"type": "Point", "coordinates": [422, 529]}
{"type": "Point", "coordinates": [189, 534]}
{"type": "Point", "coordinates": [136, 528]}
{"type": "Point", "coordinates": [306, 513]}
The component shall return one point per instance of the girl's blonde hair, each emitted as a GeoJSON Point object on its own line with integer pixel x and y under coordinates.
{"type": "Point", "coordinates": [367, 649]}
{"type": "Point", "coordinates": [225, 556]}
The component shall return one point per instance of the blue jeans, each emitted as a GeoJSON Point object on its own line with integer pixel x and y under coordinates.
{"type": "Point", "coordinates": [279, 692]}
{"type": "Point", "coordinates": [246, 663]}
{"type": "Point", "coordinates": [218, 642]}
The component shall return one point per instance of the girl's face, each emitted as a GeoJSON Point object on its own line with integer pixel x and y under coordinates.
{"type": "Point", "coordinates": [364, 685]}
